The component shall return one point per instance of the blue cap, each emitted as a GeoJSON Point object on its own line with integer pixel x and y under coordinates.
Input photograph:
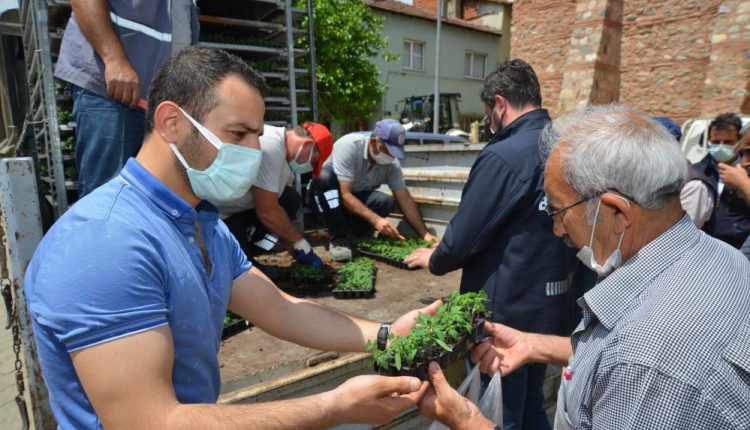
{"type": "Point", "coordinates": [393, 134]}
{"type": "Point", "coordinates": [670, 125]}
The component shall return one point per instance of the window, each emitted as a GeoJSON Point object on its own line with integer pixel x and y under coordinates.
{"type": "Point", "coordinates": [474, 65]}
{"type": "Point", "coordinates": [413, 55]}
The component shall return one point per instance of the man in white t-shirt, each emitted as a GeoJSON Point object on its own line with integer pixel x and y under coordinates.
{"type": "Point", "coordinates": [265, 213]}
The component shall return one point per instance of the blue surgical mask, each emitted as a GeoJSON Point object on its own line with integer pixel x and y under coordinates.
{"type": "Point", "coordinates": [721, 152]}
{"type": "Point", "coordinates": [229, 176]}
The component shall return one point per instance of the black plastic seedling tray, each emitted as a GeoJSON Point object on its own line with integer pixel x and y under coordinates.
{"type": "Point", "coordinates": [234, 327]}
{"type": "Point", "coordinates": [387, 260]}
{"type": "Point", "coordinates": [357, 294]}
{"type": "Point", "coordinates": [420, 369]}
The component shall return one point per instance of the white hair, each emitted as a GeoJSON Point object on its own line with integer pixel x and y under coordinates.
{"type": "Point", "coordinates": [614, 147]}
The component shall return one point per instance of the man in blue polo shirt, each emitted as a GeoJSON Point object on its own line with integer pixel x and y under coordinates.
{"type": "Point", "coordinates": [502, 237]}
{"type": "Point", "coordinates": [129, 289]}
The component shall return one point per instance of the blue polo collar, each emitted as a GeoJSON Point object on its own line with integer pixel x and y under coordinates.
{"type": "Point", "coordinates": [163, 197]}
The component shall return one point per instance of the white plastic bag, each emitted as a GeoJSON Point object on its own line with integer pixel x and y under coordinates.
{"type": "Point", "coordinates": [491, 403]}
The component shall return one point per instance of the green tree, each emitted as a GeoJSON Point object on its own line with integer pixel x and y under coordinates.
{"type": "Point", "coordinates": [347, 36]}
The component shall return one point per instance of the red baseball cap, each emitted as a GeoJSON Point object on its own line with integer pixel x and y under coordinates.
{"type": "Point", "coordinates": [323, 140]}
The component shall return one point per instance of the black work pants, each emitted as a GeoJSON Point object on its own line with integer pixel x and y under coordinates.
{"type": "Point", "coordinates": [324, 200]}
{"type": "Point", "coordinates": [248, 229]}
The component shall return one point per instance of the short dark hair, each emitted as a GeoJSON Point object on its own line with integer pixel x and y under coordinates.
{"type": "Point", "coordinates": [301, 131]}
{"type": "Point", "coordinates": [725, 121]}
{"type": "Point", "coordinates": [516, 81]}
{"type": "Point", "coordinates": [190, 77]}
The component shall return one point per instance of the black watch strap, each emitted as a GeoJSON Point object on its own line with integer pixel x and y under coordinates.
{"type": "Point", "coordinates": [383, 335]}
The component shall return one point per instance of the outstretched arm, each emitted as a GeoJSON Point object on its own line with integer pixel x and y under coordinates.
{"type": "Point", "coordinates": [355, 206]}
{"type": "Point", "coordinates": [305, 322]}
{"type": "Point", "coordinates": [129, 384]}
{"type": "Point", "coordinates": [412, 214]}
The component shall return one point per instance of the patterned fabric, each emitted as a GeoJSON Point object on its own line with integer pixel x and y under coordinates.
{"type": "Point", "coordinates": [665, 340]}
{"type": "Point", "coordinates": [745, 249]}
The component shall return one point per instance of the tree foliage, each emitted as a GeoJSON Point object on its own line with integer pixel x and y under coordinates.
{"type": "Point", "coordinates": [348, 35]}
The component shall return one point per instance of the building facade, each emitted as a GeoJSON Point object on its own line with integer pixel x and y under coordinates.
{"type": "Point", "coordinates": [469, 50]}
{"type": "Point", "coordinates": [679, 58]}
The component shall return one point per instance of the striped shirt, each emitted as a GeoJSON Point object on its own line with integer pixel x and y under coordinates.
{"type": "Point", "coordinates": [664, 342]}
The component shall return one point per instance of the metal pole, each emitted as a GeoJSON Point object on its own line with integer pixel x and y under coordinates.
{"type": "Point", "coordinates": [436, 102]}
{"type": "Point", "coordinates": [292, 90]}
{"type": "Point", "coordinates": [23, 232]}
{"type": "Point", "coordinates": [311, 54]}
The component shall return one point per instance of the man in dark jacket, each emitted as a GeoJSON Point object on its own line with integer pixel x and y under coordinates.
{"type": "Point", "coordinates": [502, 237]}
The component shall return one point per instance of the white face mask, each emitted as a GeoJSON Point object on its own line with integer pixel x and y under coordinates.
{"type": "Point", "coordinates": [586, 254]}
{"type": "Point", "coordinates": [382, 158]}
{"type": "Point", "coordinates": [229, 176]}
{"type": "Point", "coordinates": [301, 168]}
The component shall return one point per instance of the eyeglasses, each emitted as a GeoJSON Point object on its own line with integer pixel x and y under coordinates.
{"type": "Point", "coordinates": [552, 211]}
{"type": "Point", "coordinates": [744, 152]}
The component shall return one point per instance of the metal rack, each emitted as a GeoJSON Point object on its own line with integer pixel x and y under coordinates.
{"type": "Point", "coordinates": [41, 118]}
{"type": "Point", "coordinates": [267, 34]}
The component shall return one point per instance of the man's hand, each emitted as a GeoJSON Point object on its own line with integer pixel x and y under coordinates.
{"type": "Point", "coordinates": [403, 325]}
{"type": "Point", "coordinates": [311, 258]}
{"type": "Point", "coordinates": [441, 402]}
{"type": "Point", "coordinates": [122, 82]}
{"type": "Point", "coordinates": [386, 228]}
{"type": "Point", "coordinates": [734, 176]}
{"type": "Point", "coordinates": [505, 350]}
{"type": "Point", "coordinates": [375, 399]}
{"type": "Point", "coordinates": [303, 253]}
{"type": "Point", "coordinates": [431, 238]}
{"type": "Point", "coordinates": [420, 257]}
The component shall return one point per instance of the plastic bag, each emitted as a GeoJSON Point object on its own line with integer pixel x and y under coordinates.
{"type": "Point", "coordinates": [491, 403]}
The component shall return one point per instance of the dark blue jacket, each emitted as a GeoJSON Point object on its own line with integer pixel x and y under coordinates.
{"type": "Point", "coordinates": [730, 221]}
{"type": "Point", "coordinates": [503, 239]}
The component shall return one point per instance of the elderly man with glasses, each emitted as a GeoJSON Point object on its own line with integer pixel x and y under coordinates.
{"type": "Point", "coordinates": [663, 343]}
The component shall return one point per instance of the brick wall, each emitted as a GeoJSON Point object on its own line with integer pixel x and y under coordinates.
{"type": "Point", "coordinates": [469, 9]}
{"type": "Point", "coordinates": [540, 34]}
{"type": "Point", "coordinates": [681, 58]}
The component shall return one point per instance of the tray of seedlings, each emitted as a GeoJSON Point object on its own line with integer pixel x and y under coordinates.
{"type": "Point", "coordinates": [356, 280]}
{"type": "Point", "coordinates": [391, 251]}
{"type": "Point", "coordinates": [233, 324]}
{"type": "Point", "coordinates": [441, 337]}
{"type": "Point", "coordinates": [301, 279]}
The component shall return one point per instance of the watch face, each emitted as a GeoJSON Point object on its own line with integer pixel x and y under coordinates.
{"type": "Point", "coordinates": [383, 335]}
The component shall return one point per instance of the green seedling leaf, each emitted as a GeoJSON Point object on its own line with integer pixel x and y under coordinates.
{"type": "Point", "coordinates": [394, 249]}
{"type": "Point", "coordinates": [356, 275]}
{"type": "Point", "coordinates": [443, 345]}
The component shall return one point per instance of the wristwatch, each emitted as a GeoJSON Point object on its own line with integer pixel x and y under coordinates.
{"type": "Point", "coordinates": [383, 335]}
